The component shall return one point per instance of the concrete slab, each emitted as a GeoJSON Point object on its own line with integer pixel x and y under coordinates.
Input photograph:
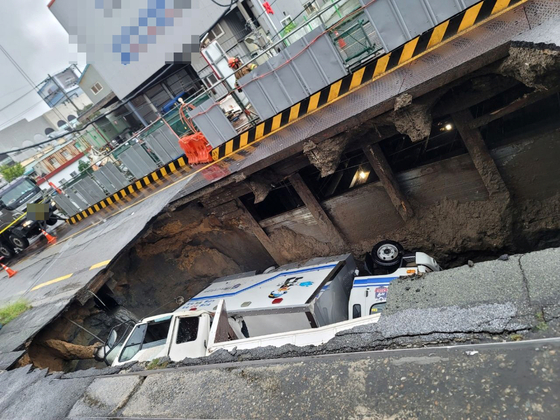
{"type": "Point", "coordinates": [17, 332]}
{"type": "Point", "coordinates": [547, 33]}
{"type": "Point", "coordinates": [489, 282]}
{"type": "Point", "coordinates": [48, 398]}
{"type": "Point", "coordinates": [438, 383]}
{"type": "Point", "coordinates": [8, 359]}
{"type": "Point", "coordinates": [105, 396]}
{"type": "Point", "coordinates": [14, 382]}
{"type": "Point", "coordinates": [542, 271]}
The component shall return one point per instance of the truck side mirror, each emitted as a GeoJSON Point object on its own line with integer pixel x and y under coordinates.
{"type": "Point", "coordinates": [112, 339]}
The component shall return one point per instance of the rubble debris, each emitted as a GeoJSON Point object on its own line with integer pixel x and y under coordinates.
{"type": "Point", "coordinates": [503, 257]}
{"type": "Point", "coordinates": [535, 65]}
{"type": "Point", "coordinates": [412, 119]}
{"type": "Point", "coordinates": [470, 263]}
{"type": "Point", "coordinates": [325, 156]}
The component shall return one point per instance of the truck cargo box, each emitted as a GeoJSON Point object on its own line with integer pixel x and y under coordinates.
{"type": "Point", "coordinates": [309, 295]}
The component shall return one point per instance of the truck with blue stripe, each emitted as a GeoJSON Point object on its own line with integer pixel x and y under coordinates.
{"type": "Point", "coordinates": [299, 304]}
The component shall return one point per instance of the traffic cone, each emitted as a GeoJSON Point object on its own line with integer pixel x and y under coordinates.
{"type": "Point", "coordinates": [50, 239]}
{"type": "Point", "coordinates": [11, 273]}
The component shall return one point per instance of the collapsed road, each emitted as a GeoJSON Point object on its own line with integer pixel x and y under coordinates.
{"type": "Point", "coordinates": [457, 153]}
{"type": "Point", "coordinates": [485, 353]}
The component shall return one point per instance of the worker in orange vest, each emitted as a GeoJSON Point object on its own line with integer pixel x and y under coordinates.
{"type": "Point", "coordinates": [240, 70]}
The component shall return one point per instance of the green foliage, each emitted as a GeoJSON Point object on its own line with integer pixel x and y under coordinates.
{"type": "Point", "coordinates": [288, 28]}
{"type": "Point", "coordinates": [155, 364]}
{"type": "Point", "coordinates": [82, 166]}
{"type": "Point", "coordinates": [12, 172]}
{"type": "Point", "coordinates": [13, 310]}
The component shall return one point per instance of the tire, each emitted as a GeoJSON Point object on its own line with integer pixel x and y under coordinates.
{"type": "Point", "coordinates": [18, 241]}
{"type": "Point", "coordinates": [387, 253]}
{"type": "Point", "coordinates": [52, 221]}
{"type": "Point", "coordinates": [6, 251]}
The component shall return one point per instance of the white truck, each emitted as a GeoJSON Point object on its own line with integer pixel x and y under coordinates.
{"type": "Point", "coordinates": [300, 305]}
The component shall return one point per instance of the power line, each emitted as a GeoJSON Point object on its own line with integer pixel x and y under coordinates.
{"type": "Point", "coordinates": [16, 100]}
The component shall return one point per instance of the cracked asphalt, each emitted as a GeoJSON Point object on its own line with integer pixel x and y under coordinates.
{"type": "Point", "coordinates": [482, 364]}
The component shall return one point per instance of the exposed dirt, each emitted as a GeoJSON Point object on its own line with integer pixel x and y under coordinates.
{"type": "Point", "coordinates": [412, 119]}
{"type": "Point", "coordinates": [181, 254]}
{"type": "Point", "coordinates": [325, 156]}
{"type": "Point", "coordinates": [453, 232]}
{"type": "Point", "coordinates": [59, 347]}
{"type": "Point", "coordinates": [297, 247]}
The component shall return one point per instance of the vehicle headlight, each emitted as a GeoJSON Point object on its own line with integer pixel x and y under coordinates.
{"type": "Point", "coordinates": [27, 223]}
{"type": "Point", "coordinates": [53, 203]}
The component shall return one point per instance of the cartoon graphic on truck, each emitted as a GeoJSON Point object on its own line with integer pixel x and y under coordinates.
{"type": "Point", "coordinates": [334, 300]}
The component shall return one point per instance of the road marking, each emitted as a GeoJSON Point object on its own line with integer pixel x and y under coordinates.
{"type": "Point", "coordinates": [52, 281]}
{"type": "Point", "coordinates": [101, 264]}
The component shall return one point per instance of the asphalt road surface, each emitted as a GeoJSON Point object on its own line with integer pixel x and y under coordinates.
{"type": "Point", "coordinates": [51, 278]}
{"type": "Point", "coordinates": [515, 380]}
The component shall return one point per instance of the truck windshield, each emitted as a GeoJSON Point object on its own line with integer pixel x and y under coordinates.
{"type": "Point", "coordinates": [145, 336]}
{"type": "Point", "coordinates": [16, 191]}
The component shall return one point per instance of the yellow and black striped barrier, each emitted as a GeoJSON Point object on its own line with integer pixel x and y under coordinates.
{"type": "Point", "coordinates": [370, 72]}
{"type": "Point", "coordinates": [154, 176]}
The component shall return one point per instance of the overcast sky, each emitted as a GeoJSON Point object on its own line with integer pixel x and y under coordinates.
{"type": "Point", "coordinates": [39, 44]}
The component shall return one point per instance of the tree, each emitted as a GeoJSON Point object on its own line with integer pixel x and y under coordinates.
{"type": "Point", "coordinates": [82, 166]}
{"type": "Point", "coordinates": [12, 172]}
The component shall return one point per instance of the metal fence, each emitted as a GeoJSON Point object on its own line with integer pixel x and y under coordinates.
{"type": "Point", "coordinates": [151, 149]}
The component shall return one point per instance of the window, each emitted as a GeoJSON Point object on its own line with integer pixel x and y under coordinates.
{"type": "Point", "coordinates": [188, 330]}
{"type": "Point", "coordinates": [62, 181]}
{"type": "Point", "coordinates": [54, 163]}
{"type": "Point", "coordinates": [356, 311]}
{"type": "Point", "coordinates": [209, 81]}
{"type": "Point", "coordinates": [66, 154]}
{"type": "Point", "coordinates": [377, 308]}
{"type": "Point", "coordinates": [215, 32]}
{"type": "Point", "coordinates": [286, 21]}
{"type": "Point", "coordinates": [145, 336]}
{"type": "Point", "coordinates": [73, 174]}
{"type": "Point", "coordinates": [96, 88]}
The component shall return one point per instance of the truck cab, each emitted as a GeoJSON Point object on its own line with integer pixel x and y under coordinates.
{"type": "Point", "coordinates": [173, 335]}
{"type": "Point", "coordinates": [16, 229]}
{"type": "Point", "coordinates": [368, 295]}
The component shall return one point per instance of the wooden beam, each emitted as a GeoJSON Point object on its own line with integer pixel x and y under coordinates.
{"type": "Point", "coordinates": [381, 167]}
{"type": "Point", "coordinates": [261, 235]}
{"type": "Point", "coordinates": [325, 223]}
{"type": "Point", "coordinates": [480, 155]}
{"type": "Point", "coordinates": [518, 104]}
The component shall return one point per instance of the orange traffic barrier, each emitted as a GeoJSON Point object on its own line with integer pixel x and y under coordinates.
{"type": "Point", "coordinates": [197, 148]}
{"type": "Point", "coordinates": [11, 273]}
{"type": "Point", "coordinates": [50, 239]}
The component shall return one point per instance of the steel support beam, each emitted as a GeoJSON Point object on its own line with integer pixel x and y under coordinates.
{"type": "Point", "coordinates": [261, 235]}
{"type": "Point", "coordinates": [381, 167]}
{"type": "Point", "coordinates": [325, 223]}
{"type": "Point", "coordinates": [480, 155]}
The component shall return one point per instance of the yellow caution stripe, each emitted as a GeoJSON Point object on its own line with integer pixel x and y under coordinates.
{"type": "Point", "coordinates": [457, 24]}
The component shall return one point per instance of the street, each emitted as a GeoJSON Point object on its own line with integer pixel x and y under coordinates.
{"type": "Point", "coordinates": [516, 380]}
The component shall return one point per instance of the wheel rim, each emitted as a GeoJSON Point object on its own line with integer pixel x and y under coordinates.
{"type": "Point", "coordinates": [387, 252]}
{"type": "Point", "coordinates": [5, 251]}
{"type": "Point", "coordinates": [18, 242]}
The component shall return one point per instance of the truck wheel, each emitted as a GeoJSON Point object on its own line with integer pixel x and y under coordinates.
{"type": "Point", "coordinates": [6, 251]}
{"type": "Point", "coordinates": [387, 253]}
{"type": "Point", "coordinates": [19, 242]}
{"type": "Point", "coordinates": [52, 221]}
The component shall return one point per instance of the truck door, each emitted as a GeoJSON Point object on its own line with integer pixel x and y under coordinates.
{"type": "Point", "coordinates": [357, 302]}
{"type": "Point", "coordinates": [189, 337]}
